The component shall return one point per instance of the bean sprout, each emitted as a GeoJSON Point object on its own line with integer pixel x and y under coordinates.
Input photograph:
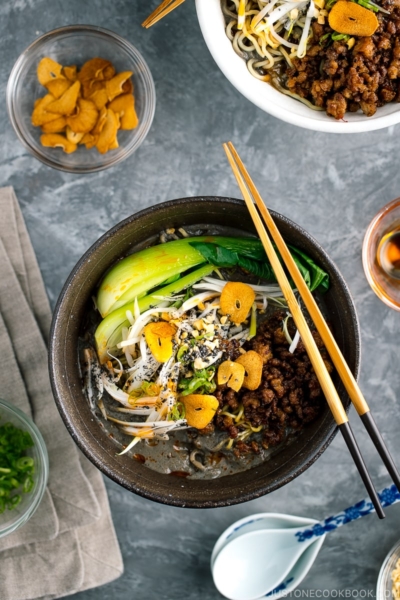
{"type": "Point", "coordinates": [262, 32]}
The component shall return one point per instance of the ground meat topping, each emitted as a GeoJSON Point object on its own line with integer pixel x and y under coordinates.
{"type": "Point", "coordinates": [288, 397]}
{"type": "Point", "coordinates": [340, 79]}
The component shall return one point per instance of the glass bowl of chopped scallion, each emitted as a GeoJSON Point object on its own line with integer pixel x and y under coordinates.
{"type": "Point", "coordinates": [24, 468]}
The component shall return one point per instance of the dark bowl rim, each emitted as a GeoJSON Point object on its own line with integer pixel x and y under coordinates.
{"type": "Point", "coordinates": [95, 458]}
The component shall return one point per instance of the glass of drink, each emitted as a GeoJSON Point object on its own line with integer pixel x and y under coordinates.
{"type": "Point", "coordinates": [381, 254]}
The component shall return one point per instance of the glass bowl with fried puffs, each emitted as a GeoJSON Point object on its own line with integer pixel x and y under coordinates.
{"type": "Point", "coordinates": [81, 98]}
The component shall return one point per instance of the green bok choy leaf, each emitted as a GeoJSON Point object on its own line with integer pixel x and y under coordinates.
{"type": "Point", "coordinates": [255, 261]}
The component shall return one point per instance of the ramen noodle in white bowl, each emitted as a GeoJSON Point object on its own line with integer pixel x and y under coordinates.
{"type": "Point", "coordinates": [220, 39]}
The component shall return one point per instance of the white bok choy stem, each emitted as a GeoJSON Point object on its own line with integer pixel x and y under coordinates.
{"type": "Point", "coordinates": [268, 287]}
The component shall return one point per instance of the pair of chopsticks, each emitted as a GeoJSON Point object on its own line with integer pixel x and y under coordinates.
{"type": "Point", "coordinates": [251, 196]}
{"type": "Point", "coordinates": [161, 11]}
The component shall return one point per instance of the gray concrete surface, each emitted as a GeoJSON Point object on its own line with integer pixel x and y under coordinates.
{"type": "Point", "coordinates": [332, 185]}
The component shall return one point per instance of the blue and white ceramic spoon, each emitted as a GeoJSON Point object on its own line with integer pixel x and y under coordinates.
{"type": "Point", "coordinates": [255, 563]}
{"type": "Point", "coordinates": [274, 521]}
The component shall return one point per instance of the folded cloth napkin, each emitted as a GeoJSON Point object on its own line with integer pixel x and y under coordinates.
{"type": "Point", "coordinates": [69, 545]}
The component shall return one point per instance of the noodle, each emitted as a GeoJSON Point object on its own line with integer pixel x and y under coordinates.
{"type": "Point", "coordinates": [250, 66]}
{"type": "Point", "coordinates": [287, 57]}
{"type": "Point", "coordinates": [266, 30]}
{"type": "Point", "coordinates": [228, 30]}
{"type": "Point", "coordinates": [235, 45]}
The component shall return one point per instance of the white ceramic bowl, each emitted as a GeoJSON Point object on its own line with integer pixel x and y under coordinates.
{"type": "Point", "coordinates": [263, 95]}
{"type": "Point", "coordinates": [272, 521]}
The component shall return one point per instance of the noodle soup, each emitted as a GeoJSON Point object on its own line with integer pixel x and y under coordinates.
{"type": "Point", "coordinates": [294, 47]}
{"type": "Point", "coordinates": [216, 338]}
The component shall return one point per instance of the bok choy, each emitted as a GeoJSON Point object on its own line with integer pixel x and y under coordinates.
{"type": "Point", "coordinates": [255, 261]}
{"type": "Point", "coordinates": [142, 280]}
{"type": "Point", "coordinates": [138, 273]}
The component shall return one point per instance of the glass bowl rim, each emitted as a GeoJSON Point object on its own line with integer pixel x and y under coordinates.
{"type": "Point", "coordinates": [150, 105]}
{"type": "Point", "coordinates": [380, 292]}
{"type": "Point", "coordinates": [44, 471]}
{"type": "Point", "coordinates": [382, 572]}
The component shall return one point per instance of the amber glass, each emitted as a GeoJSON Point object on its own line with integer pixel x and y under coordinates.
{"type": "Point", "coordinates": [381, 254]}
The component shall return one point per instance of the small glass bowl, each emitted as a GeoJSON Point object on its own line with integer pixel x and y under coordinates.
{"type": "Point", "coordinates": [387, 288]}
{"type": "Point", "coordinates": [74, 45]}
{"type": "Point", "coordinates": [384, 585]}
{"type": "Point", "coordinates": [10, 520]}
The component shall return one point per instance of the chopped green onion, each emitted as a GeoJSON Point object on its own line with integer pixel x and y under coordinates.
{"type": "Point", "coordinates": [378, 8]}
{"type": "Point", "coordinates": [25, 463]}
{"type": "Point", "coordinates": [253, 322]}
{"type": "Point", "coordinates": [188, 386]}
{"type": "Point", "coordinates": [177, 412]}
{"type": "Point", "coordinates": [202, 381]}
{"type": "Point", "coordinates": [341, 36]}
{"type": "Point", "coordinates": [14, 501]}
{"type": "Point", "coordinates": [181, 352]}
{"type": "Point", "coordinates": [323, 38]}
{"type": "Point", "coordinates": [16, 469]}
{"type": "Point", "coordinates": [28, 485]}
{"type": "Point", "coordinates": [147, 388]}
{"type": "Point", "coordinates": [366, 4]}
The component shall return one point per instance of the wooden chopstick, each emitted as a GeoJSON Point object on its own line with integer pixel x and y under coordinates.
{"type": "Point", "coordinates": [156, 12]}
{"type": "Point", "coordinates": [161, 11]}
{"type": "Point", "coordinates": [317, 362]}
{"type": "Point", "coordinates": [336, 355]}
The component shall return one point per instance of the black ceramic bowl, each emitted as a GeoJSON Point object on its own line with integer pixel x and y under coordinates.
{"type": "Point", "coordinates": [134, 233]}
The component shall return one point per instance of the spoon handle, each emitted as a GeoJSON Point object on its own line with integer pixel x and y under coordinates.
{"type": "Point", "coordinates": [387, 496]}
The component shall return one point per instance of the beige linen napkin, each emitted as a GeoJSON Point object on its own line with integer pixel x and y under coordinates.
{"type": "Point", "coordinates": [70, 543]}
